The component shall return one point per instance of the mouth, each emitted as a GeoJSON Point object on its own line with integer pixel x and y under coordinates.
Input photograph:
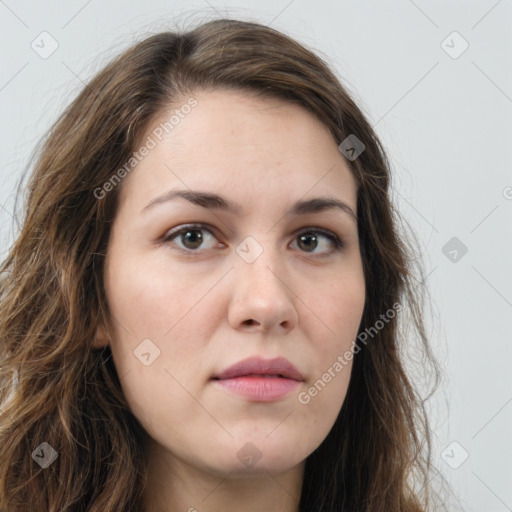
{"type": "Point", "coordinates": [258, 388]}
{"type": "Point", "coordinates": [279, 367]}
{"type": "Point", "coordinates": [264, 376]}
{"type": "Point", "coordinates": [260, 380]}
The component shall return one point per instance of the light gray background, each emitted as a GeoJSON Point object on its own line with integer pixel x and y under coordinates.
{"type": "Point", "coordinates": [445, 121]}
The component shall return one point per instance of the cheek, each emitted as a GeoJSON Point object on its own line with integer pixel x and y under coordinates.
{"type": "Point", "coordinates": [153, 311]}
{"type": "Point", "coordinates": [158, 348]}
{"type": "Point", "coordinates": [148, 299]}
{"type": "Point", "coordinates": [321, 402]}
{"type": "Point", "coordinates": [338, 312]}
{"type": "Point", "coordinates": [338, 309]}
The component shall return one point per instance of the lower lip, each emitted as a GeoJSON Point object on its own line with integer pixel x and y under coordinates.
{"type": "Point", "coordinates": [259, 389]}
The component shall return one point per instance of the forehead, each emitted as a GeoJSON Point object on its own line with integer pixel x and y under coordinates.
{"type": "Point", "coordinates": [241, 145]}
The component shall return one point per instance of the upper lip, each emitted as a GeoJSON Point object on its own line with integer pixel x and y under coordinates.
{"type": "Point", "coordinates": [259, 366]}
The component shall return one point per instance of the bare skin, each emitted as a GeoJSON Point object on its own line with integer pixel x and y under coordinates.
{"type": "Point", "coordinates": [204, 306]}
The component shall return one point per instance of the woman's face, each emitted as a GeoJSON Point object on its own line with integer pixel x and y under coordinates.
{"type": "Point", "coordinates": [262, 279]}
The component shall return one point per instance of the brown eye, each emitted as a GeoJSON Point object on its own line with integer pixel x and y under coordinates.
{"type": "Point", "coordinates": [193, 237]}
{"type": "Point", "coordinates": [309, 240]}
{"type": "Point", "coordinates": [190, 237]}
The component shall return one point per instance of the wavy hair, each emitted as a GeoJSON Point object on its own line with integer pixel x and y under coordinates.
{"type": "Point", "coordinates": [56, 389]}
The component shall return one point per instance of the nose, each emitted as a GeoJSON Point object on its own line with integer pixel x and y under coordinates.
{"type": "Point", "coordinates": [263, 299]}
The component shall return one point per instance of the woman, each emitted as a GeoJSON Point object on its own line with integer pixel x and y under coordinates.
{"type": "Point", "coordinates": [202, 307]}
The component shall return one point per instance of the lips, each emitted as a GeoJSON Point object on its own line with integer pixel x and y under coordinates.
{"type": "Point", "coordinates": [258, 367]}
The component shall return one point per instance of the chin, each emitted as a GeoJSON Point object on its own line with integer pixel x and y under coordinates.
{"type": "Point", "coordinates": [257, 456]}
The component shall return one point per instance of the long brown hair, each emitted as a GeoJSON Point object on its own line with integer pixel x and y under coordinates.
{"type": "Point", "coordinates": [55, 389]}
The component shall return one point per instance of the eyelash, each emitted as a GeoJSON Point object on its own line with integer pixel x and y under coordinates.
{"type": "Point", "coordinates": [336, 241]}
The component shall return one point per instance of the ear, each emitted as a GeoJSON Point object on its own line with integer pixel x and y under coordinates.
{"type": "Point", "coordinates": [101, 338]}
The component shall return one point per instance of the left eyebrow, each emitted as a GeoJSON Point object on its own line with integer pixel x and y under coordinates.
{"type": "Point", "coordinates": [216, 202]}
